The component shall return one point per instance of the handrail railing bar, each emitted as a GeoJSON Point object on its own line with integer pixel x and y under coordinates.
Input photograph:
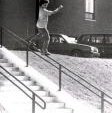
{"type": "Point", "coordinates": [70, 76]}
{"type": "Point", "coordinates": [82, 84]}
{"type": "Point", "coordinates": [107, 95]}
{"type": "Point", "coordinates": [72, 73]}
{"type": "Point", "coordinates": [29, 48]}
{"type": "Point", "coordinates": [1, 41]}
{"type": "Point", "coordinates": [19, 88]}
{"type": "Point", "coordinates": [16, 79]}
{"type": "Point", "coordinates": [16, 36]}
{"type": "Point", "coordinates": [53, 60]}
{"type": "Point", "coordinates": [107, 101]}
{"type": "Point", "coordinates": [14, 84]}
{"type": "Point", "coordinates": [79, 77]}
{"type": "Point", "coordinates": [33, 103]}
{"type": "Point", "coordinates": [45, 60]}
{"type": "Point", "coordinates": [27, 56]}
{"type": "Point", "coordinates": [25, 42]}
{"type": "Point", "coordinates": [82, 79]}
{"type": "Point", "coordinates": [66, 74]}
{"type": "Point", "coordinates": [23, 85]}
{"type": "Point", "coordinates": [76, 75]}
{"type": "Point", "coordinates": [102, 102]}
{"type": "Point", "coordinates": [89, 89]}
{"type": "Point", "coordinates": [60, 77]}
{"type": "Point", "coordinates": [63, 66]}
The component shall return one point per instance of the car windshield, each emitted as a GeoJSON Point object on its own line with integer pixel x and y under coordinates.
{"type": "Point", "coordinates": [69, 39]}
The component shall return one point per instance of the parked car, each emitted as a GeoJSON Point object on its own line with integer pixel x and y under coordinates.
{"type": "Point", "coordinates": [102, 41]}
{"type": "Point", "coordinates": [63, 44]}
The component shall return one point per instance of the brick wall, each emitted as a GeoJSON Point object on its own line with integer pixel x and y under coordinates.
{"type": "Point", "coordinates": [71, 19]}
{"type": "Point", "coordinates": [19, 16]}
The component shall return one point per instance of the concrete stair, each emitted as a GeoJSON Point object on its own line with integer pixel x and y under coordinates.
{"type": "Point", "coordinates": [15, 101]}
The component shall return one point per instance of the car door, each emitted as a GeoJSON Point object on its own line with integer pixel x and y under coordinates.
{"type": "Point", "coordinates": [54, 43]}
{"type": "Point", "coordinates": [64, 46]}
{"type": "Point", "coordinates": [58, 45]}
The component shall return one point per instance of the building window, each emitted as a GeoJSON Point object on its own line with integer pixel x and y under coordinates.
{"type": "Point", "coordinates": [90, 9]}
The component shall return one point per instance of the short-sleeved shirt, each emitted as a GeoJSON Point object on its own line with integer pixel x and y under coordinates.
{"type": "Point", "coordinates": [43, 18]}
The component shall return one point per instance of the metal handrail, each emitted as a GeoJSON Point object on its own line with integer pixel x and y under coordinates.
{"type": "Point", "coordinates": [25, 87]}
{"type": "Point", "coordinates": [78, 77]}
{"type": "Point", "coordinates": [61, 71]}
{"type": "Point", "coordinates": [14, 34]}
{"type": "Point", "coordinates": [36, 95]}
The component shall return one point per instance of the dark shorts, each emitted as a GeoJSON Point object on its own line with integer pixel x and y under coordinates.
{"type": "Point", "coordinates": [43, 33]}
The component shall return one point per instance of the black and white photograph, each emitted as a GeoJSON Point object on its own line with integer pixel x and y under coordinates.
{"type": "Point", "coordinates": [55, 56]}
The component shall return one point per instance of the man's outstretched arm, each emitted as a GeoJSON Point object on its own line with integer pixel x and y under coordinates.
{"type": "Point", "coordinates": [55, 11]}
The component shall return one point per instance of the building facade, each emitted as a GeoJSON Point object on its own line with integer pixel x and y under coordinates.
{"type": "Point", "coordinates": [19, 16]}
{"type": "Point", "coordinates": [71, 20]}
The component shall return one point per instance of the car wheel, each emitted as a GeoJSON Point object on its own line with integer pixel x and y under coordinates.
{"type": "Point", "coordinates": [76, 53]}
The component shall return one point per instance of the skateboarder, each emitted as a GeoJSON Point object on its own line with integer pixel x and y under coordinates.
{"type": "Point", "coordinates": [42, 24]}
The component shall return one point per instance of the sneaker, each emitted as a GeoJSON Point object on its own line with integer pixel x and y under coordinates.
{"type": "Point", "coordinates": [45, 53]}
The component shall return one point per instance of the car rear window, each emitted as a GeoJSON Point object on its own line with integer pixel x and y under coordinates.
{"type": "Point", "coordinates": [109, 39]}
{"type": "Point", "coordinates": [85, 38]}
{"type": "Point", "coordinates": [99, 39]}
{"type": "Point", "coordinates": [96, 38]}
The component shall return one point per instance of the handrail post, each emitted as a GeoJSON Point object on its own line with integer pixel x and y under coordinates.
{"type": "Point", "coordinates": [102, 102]}
{"type": "Point", "coordinates": [27, 56]}
{"type": "Point", "coordinates": [33, 102]}
{"type": "Point", "coordinates": [1, 37]}
{"type": "Point", "coordinates": [60, 77]}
